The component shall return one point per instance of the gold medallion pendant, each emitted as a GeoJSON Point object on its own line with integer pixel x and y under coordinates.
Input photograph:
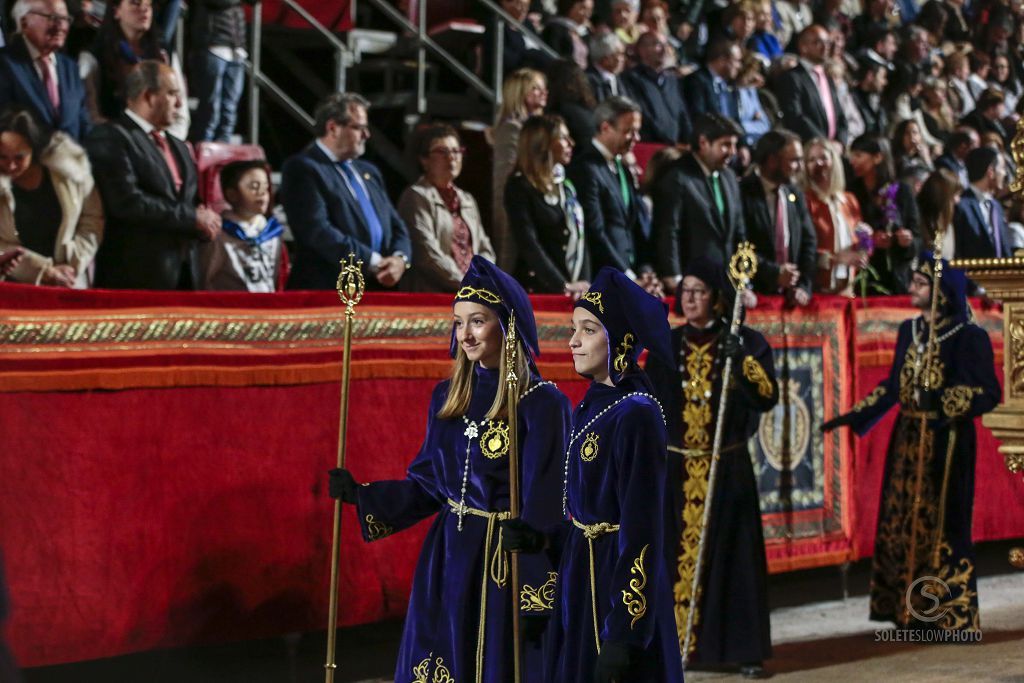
{"type": "Point", "coordinates": [588, 451]}
{"type": "Point", "coordinates": [494, 442]}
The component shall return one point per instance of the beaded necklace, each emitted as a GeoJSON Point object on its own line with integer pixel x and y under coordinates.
{"type": "Point", "coordinates": [473, 431]}
{"type": "Point", "coordinates": [578, 433]}
{"type": "Point", "coordinates": [933, 375]}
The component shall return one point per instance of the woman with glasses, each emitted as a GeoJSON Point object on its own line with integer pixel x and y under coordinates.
{"type": "Point", "coordinates": [542, 206]}
{"type": "Point", "coordinates": [443, 219]}
{"type": "Point", "coordinates": [126, 37]}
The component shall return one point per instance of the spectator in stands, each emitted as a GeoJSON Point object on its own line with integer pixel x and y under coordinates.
{"type": "Point", "coordinates": [867, 24]}
{"type": "Point", "coordinates": [607, 60]}
{"type": "Point", "coordinates": [738, 21]}
{"type": "Point", "coordinates": [908, 147]}
{"type": "Point", "coordinates": [624, 20]}
{"type": "Point", "coordinates": [519, 50]}
{"type": "Point", "coordinates": [49, 206]}
{"type": "Point", "coordinates": [218, 67]}
{"type": "Point", "coordinates": [337, 204]}
{"type": "Point", "coordinates": [958, 70]}
{"type": "Point", "coordinates": [443, 219]}
{"type": "Point", "coordinates": [987, 116]}
{"type": "Point", "coordinates": [148, 182]}
{"type": "Point", "coordinates": [980, 65]}
{"type": "Point", "coordinates": [871, 79]}
{"type": "Point", "coordinates": [618, 227]}
{"type": "Point", "coordinates": [697, 209]}
{"type": "Point", "coordinates": [246, 255]}
{"type": "Point", "coordinates": [523, 94]}
{"type": "Point", "coordinates": [979, 222]}
{"type": "Point", "coordinates": [571, 98]}
{"type": "Point", "coordinates": [936, 110]}
{"type": "Point", "coordinates": [36, 75]}
{"type": "Point", "coordinates": [1004, 78]}
{"type": "Point", "coordinates": [553, 255]}
{"type": "Point", "coordinates": [835, 215]}
{"type": "Point", "coordinates": [777, 221]}
{"type": "Point", "coordinates": [888, 206]}
{"type": "Point", "coordinates": [654, 14]}
{"type": "Point", "coordinates": [656, 89]}
{"type": "Point", "coordinates": [566, 32]}
{"type": "Point", "coordinates": [794, 17]}
{"type": "Point", "coordinates": [710, 88]}
{"type": "Point", "coordinates": [957, 30]}
{"type": "Point", "coordinates": [754, 112]}
{"type": "Point", "coordinates": [126, 37]}
{"type": "Point", "coordinates": [807, 94]}
{"type": "Point", "coordinates": [763, 40]}
{"type": "Point", "coordinates": [937, 202]}
{"type": "Point", "coordinates": [881, 48]}
{"type": "Point", "coordinates": [954, 155]}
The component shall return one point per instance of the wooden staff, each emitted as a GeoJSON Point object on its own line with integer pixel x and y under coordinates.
{"type": "Point", "coordinates": [930, 365]}
{"type": "Point", "coordinates": [512, 387]}
{"type": "Point", "coordinates": [350, 290]}
{"type": "Point", "coordinates": [742, 267]}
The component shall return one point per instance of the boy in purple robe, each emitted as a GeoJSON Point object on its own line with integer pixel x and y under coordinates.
{"type": "Point", "coordinates": [458, 627]}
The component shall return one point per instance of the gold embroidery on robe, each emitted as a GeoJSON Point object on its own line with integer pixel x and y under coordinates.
{"type": "Point", "coordinates": [494, 441]}
{"type": "Point", "coordinates": [696, 397]}
{"type": "Point", "coordinates": [376, 530]}
{"type": "Point", "coordinates": [956, 400]}
{"type": "Point", "coordinates": [870, 400]}
{"type": "Point", "coordinates": [421, 672]}
{"type": "Point", "coordinates": [911, 378]}
{"type": "Point", "coordinates": [588, 451]}
{"type": "Point", "coordinates": [594, 298]}
{"type": "Point", "coordinates": [634, 599]}
{"type": "Point", "coordinates": [622, 351]}
{"type": "Point", "coordinates": [754, 373]}
{"type": "Point", "coordinates": [541, 598]}
{"type": "Point", "coordinates": [479, 293]}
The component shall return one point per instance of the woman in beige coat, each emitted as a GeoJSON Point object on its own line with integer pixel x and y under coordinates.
{"type": "Point", "coordinates": [49, 205]}
{"type": "Point", "coordinates": [444, 220]}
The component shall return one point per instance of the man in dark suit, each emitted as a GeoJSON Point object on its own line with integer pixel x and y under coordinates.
{"type": "Point", "coordinates": [979, 225]}
{"type": "Point", "coordinates": [709, 88]}
{"type": "Point", "coordinates": [777, 220]}
{"type": "Point", "coordinates": [337, 204]}
{"type": "Point", "coordinates": [961, 141]}
{"type": "Point", "coordinates": [871, 79]}
{"type": "Point", "coordinates": [697, 209]}
{"type": "Point", "coordinates": [657, 91]}
{"type": "Point", "coordinates": [988, 114]}
{"type": "Point", "coordinates": [807, 94]}
{"type": "Point", "coordinates": [617, 226]}
{"type": "Point", "coordinates": [607, 59]}
{"type": "Point", "coordinates": [148, 183]}
{"type": "Point", "coordinates": [36, 75]}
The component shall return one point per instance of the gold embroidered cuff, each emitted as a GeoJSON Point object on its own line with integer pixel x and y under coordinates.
{"type": "Point", "coordinates": [754, 373]}
{"type": "Point", "coordinates": [541, 598]}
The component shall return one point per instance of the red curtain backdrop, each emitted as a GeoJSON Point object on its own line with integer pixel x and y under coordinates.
{"type": "Point", "coordinates": [163, 470]}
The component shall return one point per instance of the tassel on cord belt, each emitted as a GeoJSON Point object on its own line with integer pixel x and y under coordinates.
{"type": "Point", "coordinates": [590, 532]}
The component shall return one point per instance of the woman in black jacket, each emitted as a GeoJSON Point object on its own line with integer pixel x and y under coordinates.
{"type": "Point", "coordinates": [543, 210]}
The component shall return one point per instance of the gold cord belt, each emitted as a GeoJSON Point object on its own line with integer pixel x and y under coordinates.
{"type": "Point", "coordinates": [918, 414]}
{"type": "Point", "coordinates": [497, 568]}
{"type": "Point", "coordinates": [704, 452]}
{"type": "Point", "coordinates": [590, 532]}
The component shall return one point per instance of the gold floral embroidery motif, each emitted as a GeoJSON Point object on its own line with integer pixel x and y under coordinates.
{"type": "Point", "coordinates": [622, 350]}
{"type": "Point", "coordinates": [494, 442]}
{"type": "Point", "coordinates": [912, 375]}
{"type": "Point", "coordinates": [421, 672]}
{"type": "Point", "coordinates": [696, 394]}
{"type": "Point", "coordinates": [541, 598]}
{"type": "Point", "coordinates": [594, 298]}
{"type": "Point", "coordinates": [479, 293]}
{"type": "Point", "coordinates": [870, 400]}
{"type": "Point", "coordinates": [588, 451]}
{"type": "Point", "coordinates": [636, 604]}
{"type": "Point", "coordinates": [956, 401]}
{"type": "Point", "coordinates": [695, 491]}
{"type": "Point", "coordinates": [754, 373]}
{"type": "Point", "coordinates": [377, 530]}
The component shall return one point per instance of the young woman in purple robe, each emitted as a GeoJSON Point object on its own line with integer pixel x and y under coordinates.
{"type": "Point", "coordinates": [459, 623]}
{"type": "Point", "coordinates": [613, 618]}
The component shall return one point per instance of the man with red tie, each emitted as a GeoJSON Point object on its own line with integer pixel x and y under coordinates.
{"type": "Point", "coordinates": [148, 183]}
{"type": "Point", "coordinates": [36, 75]}
{"type": "Point", "coordinates": [807, 94]}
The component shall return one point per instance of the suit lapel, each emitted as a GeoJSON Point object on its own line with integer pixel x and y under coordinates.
{"type": "Point", "coordinates": [792, 220]}
{"type": "Point", "coordinates": [819, 106]}
{"type": "Point", "coordinates": [153, 154]}
{"type": "Point", "coordinates": [32, 82]}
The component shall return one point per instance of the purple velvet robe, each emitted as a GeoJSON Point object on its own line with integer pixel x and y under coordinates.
{"type": "Point", "coordinates": [616, 475]}
{"type": "Point", "coordinates": [456, 585]}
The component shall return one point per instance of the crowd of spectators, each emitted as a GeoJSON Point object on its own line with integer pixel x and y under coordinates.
{"type": "Point", "coordinates": [839, 137]}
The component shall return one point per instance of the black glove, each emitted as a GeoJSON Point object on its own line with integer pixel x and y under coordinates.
{"type": "Point", "coordinates": [341, 484]}
{"type": "Point", "coordinates": [840, 421]}
{"type": "Point", "coordinates": [613, 663]}
{"type": "Point", "coordinates": [732, 346]}
{"type": "Point", "coordinates": [518, 536]}
{"type": "Point", "coordinates": [531, 628]}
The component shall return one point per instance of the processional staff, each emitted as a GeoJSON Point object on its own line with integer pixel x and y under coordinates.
{"type": "Point", "coordinates": [742, 267]}
{"type": "Point", "coordinates": [350, 290]}
{"type": "Point", "coordinates": [512, 382]}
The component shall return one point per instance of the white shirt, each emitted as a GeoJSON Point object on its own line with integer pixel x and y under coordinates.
{"type": "Point", "coordinates": [142, 123]}
{"type": "Point", "coordinates": [50, 60]}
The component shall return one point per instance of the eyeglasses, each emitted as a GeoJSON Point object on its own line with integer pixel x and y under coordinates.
{"type": "Point", "coordinates": [449, 151]}
{"type": "Point", "coordinates": [696, 292]}
{"type": "Point", "coordinates": [361, 128]}
{"type": "Point", "coordinates": [59, 19]}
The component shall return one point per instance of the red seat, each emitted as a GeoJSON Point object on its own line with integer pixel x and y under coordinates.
{"type": "Point", "coordinates": [643, 151]}
{"type": "Point", "coordinates": [211, 157]}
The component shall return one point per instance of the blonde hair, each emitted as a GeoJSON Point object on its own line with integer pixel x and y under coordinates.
{"type": "Point", "coordinates": [837, 187]}
{"type": "Point", "coordinates": [533, 156]}
{"type": "Point", "coordinates": [460, 388]}
{"type": "Point", "coordinates": [514, 90]}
